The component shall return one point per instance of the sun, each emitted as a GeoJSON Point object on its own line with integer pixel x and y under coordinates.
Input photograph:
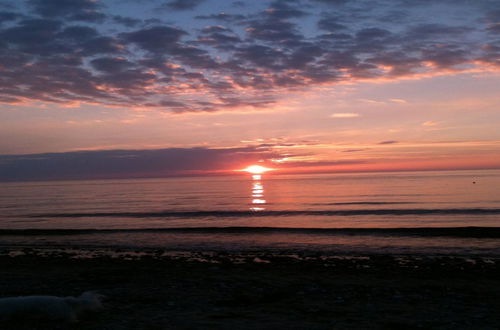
{"type": "Point", "coordinates": [256, 169]}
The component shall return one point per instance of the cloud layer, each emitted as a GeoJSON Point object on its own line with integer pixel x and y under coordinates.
{"type": "Point", "coordinates": [127, 163]}
{"type": "Point", "coordinates": [202, 59]}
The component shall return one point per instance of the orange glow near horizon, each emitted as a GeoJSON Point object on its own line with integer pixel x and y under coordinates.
{"type": "Point", "coordinates": [256, 169]}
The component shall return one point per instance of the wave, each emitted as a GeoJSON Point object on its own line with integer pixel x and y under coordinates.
{"type": "Point", "coordinates": [362, 203]}
{"type": "Point", "coordinates": [466, 232]}
{"type": "Point", "coordinates": [275, 213]}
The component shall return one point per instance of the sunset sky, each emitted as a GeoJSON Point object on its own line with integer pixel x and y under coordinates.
{"type": "Point", "coordinates": [139, 88]}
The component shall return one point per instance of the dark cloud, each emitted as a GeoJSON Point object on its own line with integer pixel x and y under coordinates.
{"type": "Point", "coordinates": [370, 34]}
{"type": "Point", "coordinates": [341, 60]}
{"type": "Point", "coordinates": [304, 55]}
{"type": "Point", "coordinates": [62, 7]}
{"type": "Point", "coordinates": [494, 28]}
{"type": "Point", "coordinates": [76, 33]}
{"type": "Point", "coordinates": [126, 163]}
{"type": "Point", "coordinates": [401, 63]}
{"type": "Point", "coordinates": [223, 17]}
{"type": "Point", "coordinates": [31, 31]}
{"type": "Point", "coordinates": [330, 23]}
{"type": "Point", "coordinates": [7, 4]}
{"type": "Point", "coordinates": [126, 21]}
{"type": "Point", "coordinates": [432, 31]}
{"type": "Point", "coordinates": [77, 10]}
{"type": "Point", "coordinates": [395, 16]}
{"type": "Point", "coordinates": [194, 57]}
{"type": "Point", "coordinates": [35, 36]}
{"type": "Point", "coordinates": [331, 2]}
{"type": "Point", "coordinates": [280, 9]}
{"type": "Point", "coordinates": [132, 82]}
{"type": "Point", "coordinates": [293, 164]}
{"type": "Point", "coordinates": [173, 104]}
{"type": "Point", "coordinates": [111, 64]}
{"type": "Point", "coordinates": [491, 53]}
{"type": "Point", "coordinates": [80, 50]}
{"type": "Point", "coordinates": [354, 150]}
{"type": "Point", "coordinates": [446, 55]}
{"type": "Point", "coordinates": [422, 3]}
{"type": "Point", "coordinates": [215, 29]}
{"type": "Point", "coordinates": [100, 45]}
{"type": "Point", "coordinates": [388, 142]}
{"type": "Point", "coordinates": [89, 16]}
{"type": "Point", "coordinates": [6, 16]}
{"type": "Point", "coordinates": [182, 4]}
{"type": "Point", "coordinates": [274, 31]}
{"type": "Point", "coordinates": [239, 4]}
{"type": "Point", "coordinates": [155, 39]}
{"type": "Point", "coordinates": [262, 56]}
{"type": "Point", "coordinates": [493, 16]}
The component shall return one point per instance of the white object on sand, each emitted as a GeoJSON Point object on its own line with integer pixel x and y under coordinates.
{"type": "Point", "coordinates": [49, 307]}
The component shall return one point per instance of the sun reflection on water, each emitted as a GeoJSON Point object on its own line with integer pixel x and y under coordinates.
{"type": "Point", "coordinates": [257, 195]}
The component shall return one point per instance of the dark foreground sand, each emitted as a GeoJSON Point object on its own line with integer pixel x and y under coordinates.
{"type": "Point", "coordinates": [262, 290]}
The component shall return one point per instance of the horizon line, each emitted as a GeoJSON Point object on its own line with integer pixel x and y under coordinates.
{"type": "Point", "coordinates": [229, 173]}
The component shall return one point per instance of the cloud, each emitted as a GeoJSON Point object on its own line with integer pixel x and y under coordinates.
{"type": "Point", "coordinates": [281, 9]}
{"type": "Point", "coordinates": [6, 16]}
{"type": "Point", "coordinates": [388, 142]}
{"type": "Point", "coordinates": [429, 123]}
{"type": "Point", "coordinates": [315, 164]}
{"type": "Point", "coordinates": [82, 50]}
{"type": "Point", "coordinates": [436, 31]}
{"type": "Point", "coordinates": [354, 150]}
{"type": "Point", "coordinates": [75, 33]}
{"type": "Point", "coordinates": [494, 28]}
{"type": "Point", "coordinates": [331, 2]}
{"type": "Point", "coordinates": [224, 17]}
{"type": "Point", "coordinates": [345, 115]}
{"type": "Point", "coordinates": [270, 29]}
{"type": "Point", "coordinates": [5, 4]}
{"type": "Point", "coordinates": [126, 21]}
{"type": "Point", "coordinates": [157, 39]}
{"type": "Point", "coordinates": [127, 163]}
{"type": "Point", "coordinates": [34, 36]}
{"type": "Point", "coordinates": [330, 23]}
{"type": "Point", "coordinates": [111, 64]}
{"type": "Point", "coordinates": [76, 10]}
{"type": "Point", "coordinates": [182, 4]}
{"type": "Point", "coordinates": [219, 37]}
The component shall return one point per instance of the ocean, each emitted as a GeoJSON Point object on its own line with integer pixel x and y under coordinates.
{"type": "Point", "coordinates": [446, 212]}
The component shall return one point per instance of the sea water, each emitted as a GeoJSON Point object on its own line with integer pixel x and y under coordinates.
{"type": "Point", "coordinates": [447, 212]}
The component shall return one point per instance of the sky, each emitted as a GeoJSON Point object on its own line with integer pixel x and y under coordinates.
{"type": "Point", "coordinates": [145, 88]}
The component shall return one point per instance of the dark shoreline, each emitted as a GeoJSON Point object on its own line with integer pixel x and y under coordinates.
{"type": "Point", "coordinates": [267, 213]}
{"type": "Point", "coordinates": [158, 289]}
{"type": "Point", "coordinates": [466, 232]}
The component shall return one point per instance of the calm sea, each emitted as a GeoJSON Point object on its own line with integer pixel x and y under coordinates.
{"type": "Point", "coordinates": [456, 212]}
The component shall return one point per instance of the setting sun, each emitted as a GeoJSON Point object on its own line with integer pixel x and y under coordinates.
{"type": "Point", "coordinates": [256, 169]}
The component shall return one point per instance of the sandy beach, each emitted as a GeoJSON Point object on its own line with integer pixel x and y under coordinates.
{"type": "Point", "coordinates": [158, 289]}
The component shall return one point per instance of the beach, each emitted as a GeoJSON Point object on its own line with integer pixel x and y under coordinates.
{"type": "Point", "coordinates": [159, 289]}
